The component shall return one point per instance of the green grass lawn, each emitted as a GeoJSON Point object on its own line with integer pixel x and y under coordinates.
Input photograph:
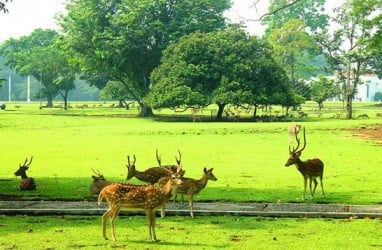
{"type": "Point", "coordinates": [202, 232]}
{"type": "Point", "coordinates": [248, 158]}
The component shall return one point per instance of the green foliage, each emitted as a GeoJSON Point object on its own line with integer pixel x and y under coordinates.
{"type": "Point", "coordinates": [311, 12]}
{"type": "Point", "coordinates": [322, 89]}
{"type": "Point", "coordinates": [38, 55]}
{"type": "Point", "coordinates": [293, 47]}
{"type": "Point", "coordinates": [351, 47]}
{"type": "Point", "coordinates": [124, 39]}
{"type": "Point", "coordinates": [223, 67]}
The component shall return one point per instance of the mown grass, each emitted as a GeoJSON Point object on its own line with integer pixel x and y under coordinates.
{"type": "Point", "coordinates": [248, 158]}
{"type": "Point", "coordinates": [202, 232]}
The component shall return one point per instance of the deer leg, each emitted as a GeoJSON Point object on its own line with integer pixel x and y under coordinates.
{"type": "Point", "coordinates": [322, 186]}
{"type": "Point", "coordinates": [150, 216]}
{"type": "Point", "coordinates": [191, 204]}
{"type": "Point", "coordinates": [315, 186]}
{"type": "Point", "coordinates": [105, 216]}
{"type": "Point", "coordinates": [305, 183]}
{"type": "Point", "coordinates": [162, 212]}
{"type": "Point", "coordinates": [112, 218]}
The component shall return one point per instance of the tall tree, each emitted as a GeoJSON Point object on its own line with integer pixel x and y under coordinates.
{"type": "Point", "coordinates": [223, 67]}
{"type": "Point", "coordinates": [123, 40]}
{"type": "Point", "coordinates": [350, 47]}
{"type": "Point", "coordinates": [38, 55]}
{"type": "Point", "coordinates": [323, 88]}
{"type": "Point", "coordinates": [311, 12]}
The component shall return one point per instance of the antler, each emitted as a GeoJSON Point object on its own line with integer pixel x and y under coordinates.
{"type": "Point", "coordinates": [25, 164]}
{"type": "Point", "coordinates": [159, 159]}
{"type": "Point", "coordinates": [297, 150]}
{"type": "Point", "coordinates": [128, 160]}
{"type": "Point", "coordinates": [178, 161]}
{"type": "Point", "coordinates": [97, 172]}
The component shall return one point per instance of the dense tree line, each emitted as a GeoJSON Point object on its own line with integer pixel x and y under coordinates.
{"type": "Point", "coordinates": [183, 54]}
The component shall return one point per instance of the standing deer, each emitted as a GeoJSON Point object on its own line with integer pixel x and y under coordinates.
{"type": "Point", "coordinates": [26, 183]}
{"type": "Point", "coordinates": [98, 183]}
{"type": "Point", "coordinates": [192, 187]}
{"type": "Point", "coordinates": [150, 175]}
{"type": "Point", "coordinates": [310, 169]}
{"type": "Point", "coordinates": [293, 130]}
{"type": "Point", "coordinates": [153, 174]}
{"type": "Point", "coordinates": [135, 197]}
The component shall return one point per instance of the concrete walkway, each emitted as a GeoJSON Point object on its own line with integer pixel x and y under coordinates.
{"type": "Point", "coordinates": [210, 208]}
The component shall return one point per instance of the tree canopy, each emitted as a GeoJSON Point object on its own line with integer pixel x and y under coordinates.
{"type": "Point", "coordinates": [38, 55]}
{"type": "Point", "coordinates": [222, 67]}
{"type": "Point", "coordinates": [123, 40]}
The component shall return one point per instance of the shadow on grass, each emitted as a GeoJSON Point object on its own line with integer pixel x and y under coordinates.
{"type": "Point", "coordinates": [77, 189]}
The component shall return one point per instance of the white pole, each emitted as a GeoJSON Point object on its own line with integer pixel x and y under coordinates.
{"type": "Point", "coordinates": [29, 89]}
{"type": "Point", "coordinates": [9, 88]}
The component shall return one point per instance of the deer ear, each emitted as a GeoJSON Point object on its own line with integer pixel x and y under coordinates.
{"type": "Point", "coordinates": [205, 170]}
{"type": "Point", "coordinates": [298, 154]}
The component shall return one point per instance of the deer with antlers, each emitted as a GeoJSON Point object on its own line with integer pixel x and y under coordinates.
{"type": "Point", "coordinates": [98, 183]}
{"type": "Point", "coordinates": [192, 187]}
{"type": "Point", "coordinates": [136, 197]}
{"type": "Point", "coordinates": [153, 174]}
{"type": "Point", "coordinates": [26, 183]}
{"type": "Point", "coordinates": [310, 169]}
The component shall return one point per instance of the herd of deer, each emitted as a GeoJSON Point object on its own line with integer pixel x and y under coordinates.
{"type": "Point", "coordinates": [170, 179]}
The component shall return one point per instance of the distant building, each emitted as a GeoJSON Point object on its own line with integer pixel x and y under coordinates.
{"type": "Point", "coordinates": [371, 85]}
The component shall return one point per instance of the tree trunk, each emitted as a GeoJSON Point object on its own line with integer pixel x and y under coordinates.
{"type": "Point", "coordinates": [145, 111]}
{"type": "Point", "coordinates": [349, 106]}
{"type": "Point", "coordinates": [220, 112]}
{"type": "Point", "coordinates": [255, 111]}
{"type": "Point", "coordinates": [49, 101]}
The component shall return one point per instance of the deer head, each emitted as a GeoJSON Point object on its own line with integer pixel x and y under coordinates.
{"type": "Point", "coordinates": [23, 168]}
{"type": "Point", "coordinates": [295, 153]}
{"type": "Point", "coordinates": [131, 168]}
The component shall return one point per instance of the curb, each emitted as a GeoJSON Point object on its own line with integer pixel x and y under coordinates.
{"type": "Point", "coordinates": [200, 208]}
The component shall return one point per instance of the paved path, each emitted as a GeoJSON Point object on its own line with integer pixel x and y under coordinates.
{"type": "Point", "coordinates": [210, 208]}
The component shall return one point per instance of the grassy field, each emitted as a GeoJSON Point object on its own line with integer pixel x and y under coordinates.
{"type": "Point", "coordinates": [248, 160]}
{"type": "Point", "coordinates": [202, 232]}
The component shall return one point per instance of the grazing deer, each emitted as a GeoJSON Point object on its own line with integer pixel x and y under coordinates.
{"type": "Point", "coordinates": [99, 182]}
{"type": "Point", "coordinates": [192, 187]}
{"type": "Point", "coordinates": [26, 183]}
{"type": "Point", "coordinates": [136, 197]}
{"type": "Point", "coordinates": [310, 169]}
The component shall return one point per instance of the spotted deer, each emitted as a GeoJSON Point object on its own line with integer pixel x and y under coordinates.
{"type": "Point", "coordinates": [310, 169]}
{"type": "Point", "coordinates": [192, 187]}
{"type": "Point", "coordinates": [153, 174]}
{"type": "Point", "coordinates": [136, 197]}
{"type": "Point", "coordinates": [26, 183]}
{"type": "Point", "coordinates": [98, 183]}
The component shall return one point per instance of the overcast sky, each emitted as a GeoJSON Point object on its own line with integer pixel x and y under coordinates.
{"type": "Point", "coordinates": [26, 15]}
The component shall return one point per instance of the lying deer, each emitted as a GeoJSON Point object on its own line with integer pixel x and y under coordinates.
{"type": "Point", "coordinates": [192, 187]}
{"type": "Point", "coordinates": [136, 197]}
{"type": "Point", "coordinates": [26, 183]}
{"type": "Point", "coordinates": [99, 182]}
{"type": "Point", "coordinates": [310, 169]}
{"type": "Point", "coordinates": [153, 174]}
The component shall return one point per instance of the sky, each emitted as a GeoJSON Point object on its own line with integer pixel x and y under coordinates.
{"type": "Point", "coordinates": [26, 15]}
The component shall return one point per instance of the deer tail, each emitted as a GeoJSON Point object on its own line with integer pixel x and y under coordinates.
{"type": "Point", "coordinates": [100, 198]}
